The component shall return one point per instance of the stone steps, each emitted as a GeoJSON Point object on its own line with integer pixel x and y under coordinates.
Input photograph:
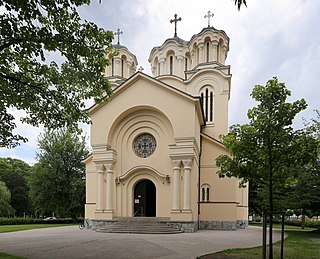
{"type": "Point", "coordinates": [139, 226]}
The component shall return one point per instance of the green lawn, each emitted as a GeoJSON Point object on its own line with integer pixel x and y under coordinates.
{"type": "Point", "coordinates": [12, 228]}
{"type": "Point", "coordinates": [298, 244]}
{"type": "Point", "coordinates": [6, 256]}
{"type": "Point", "coordinates": [286, 227]}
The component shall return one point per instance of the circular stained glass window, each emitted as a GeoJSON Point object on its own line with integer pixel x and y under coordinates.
{"type": "Point", "coordinates": [144, 145]}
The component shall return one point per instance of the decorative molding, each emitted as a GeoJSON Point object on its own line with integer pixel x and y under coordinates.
{"type": "Point", "coordinates": [136, 168]}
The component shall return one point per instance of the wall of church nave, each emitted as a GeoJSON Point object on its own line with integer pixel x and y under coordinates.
{"type": "Point", "coordinates": [242, 194]}
{"type": "Point", "coordinates": [218, 211]}
{"type": "Point", "coordinates": [221, 189]}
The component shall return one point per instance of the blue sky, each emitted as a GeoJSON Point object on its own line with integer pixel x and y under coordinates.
{"type": "Point", "coordinates": [269, 38]}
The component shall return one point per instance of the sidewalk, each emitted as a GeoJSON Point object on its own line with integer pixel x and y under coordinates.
{"type": "Point", "coordinates": [71, 242]}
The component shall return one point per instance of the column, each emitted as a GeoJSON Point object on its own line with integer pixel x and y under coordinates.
{"type": "Point", "coordinates": [161, 65]}
{"type": "Point", "coordinates": [109, 173]}
{"type": "Point", "coordinates": [100, 169]}
{"type": "Point", "coordinates": [186, 184]}
{"type": "Point", "coordinates": [215, 50]}
{"type": "Point", "coordinates": [180, 66]}
{"type": "Point", "coordinates": [200, 51]}
{"type": "Point", "coordinates": [224, 54]}
{"type": "Point", "coordinates": [128, 69]}
{"type": "Point", "coordinates": [176, 185]}
{"type": "Point", "coordinates": [117, 68]}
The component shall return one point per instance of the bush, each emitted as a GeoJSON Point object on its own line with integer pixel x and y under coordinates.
{"type": "Point", "coordinates": [20, 221]}
{"type": "Point", "coordinates": [308, 224]}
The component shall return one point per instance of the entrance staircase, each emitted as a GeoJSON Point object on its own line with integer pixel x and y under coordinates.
{"type": "Point", "coordinates": [140, 225]}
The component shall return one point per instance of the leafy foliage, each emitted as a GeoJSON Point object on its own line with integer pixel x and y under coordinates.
{"type": "Point", "coordinates": [14, 173]}
{"type": "Point", "coordinates": [267, 150]}
{"type": "Point", "coordinates": [35, 36]}
{"type": "Point", "coordinates": [5, 198]}
{"type": "Point", "coordinates": [56, 183]}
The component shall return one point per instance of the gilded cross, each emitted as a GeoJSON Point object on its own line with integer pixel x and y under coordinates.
{"type": "Point", "coordinates": [175, 20]}
{"type": "Point", "coordinates": [208, 16]}
{"type": "Point", "coordinates": [118, 33]}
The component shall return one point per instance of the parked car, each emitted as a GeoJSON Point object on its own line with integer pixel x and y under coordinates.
{"type": "Point", "coordinates": [50, 218]}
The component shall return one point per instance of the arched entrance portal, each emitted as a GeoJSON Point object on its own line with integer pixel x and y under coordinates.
{"type": "Point", "coordinates": [144, 199]}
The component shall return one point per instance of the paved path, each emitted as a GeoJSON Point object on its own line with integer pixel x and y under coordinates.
{"type": "Point", "coordinates": [71, 242]}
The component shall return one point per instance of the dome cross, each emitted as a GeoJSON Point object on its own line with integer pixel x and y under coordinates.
{"type": "Point", "coordinates": [208, 16]}
{"type": "Point", "coordinates": [175, 20]}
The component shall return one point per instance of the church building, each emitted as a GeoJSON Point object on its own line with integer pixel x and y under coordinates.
{"type": "Point", "coordinates": [155, 140]}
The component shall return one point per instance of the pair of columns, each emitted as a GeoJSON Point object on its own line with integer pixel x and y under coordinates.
{"type": "Point", "coordinates": [105, 169]}
{"type": "Point", "coordinates": [186, 184]}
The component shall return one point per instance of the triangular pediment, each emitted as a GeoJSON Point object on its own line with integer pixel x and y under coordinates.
{"type": "Point", "coordinates": [152, 83]}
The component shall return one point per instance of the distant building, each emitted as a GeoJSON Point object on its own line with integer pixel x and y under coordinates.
{"type": "Point", "coordinates": [156, 139]}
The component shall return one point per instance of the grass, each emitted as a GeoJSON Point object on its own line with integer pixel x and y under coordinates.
{"type": "Point", "coordinates": [286, 227]}
{"type": "Point", "coordinates": [298, 244]}
{"type": "Point", "coordinates": [12, 228]}
{"type": "Point", "coordinates": [6, 256]}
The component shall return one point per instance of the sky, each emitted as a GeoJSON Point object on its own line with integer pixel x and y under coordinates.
{"type": "Point", "coordinates": [267, 39]}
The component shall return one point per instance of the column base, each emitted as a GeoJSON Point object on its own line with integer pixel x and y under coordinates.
{"type": "Point", "coordinates": [104, 214]}
{"type": "Point", "coordinates": [181, 215]}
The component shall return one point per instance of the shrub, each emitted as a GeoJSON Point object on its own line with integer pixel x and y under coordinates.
{"type": "Point", "coordinates": [20, 221]}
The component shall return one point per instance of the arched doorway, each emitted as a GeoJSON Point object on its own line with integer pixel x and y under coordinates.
{"type": "Point", "coordinates": [144, 199]}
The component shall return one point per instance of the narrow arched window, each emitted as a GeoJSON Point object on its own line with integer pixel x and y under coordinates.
{"type": "Point", "coordinates": [207, 102]}
{"type": "Point", "coordinates": [112, 67]}
{"type": "Point", "coordinates": [207, 51]}
{"type": "Point", "coordinates": [122, 67]}
{"type": "Point", "coordinates": [205, 193]}
{"type": "Point", "coordinates": [185, 64]}
{"type": "Point", "coordinates": [171, 65]}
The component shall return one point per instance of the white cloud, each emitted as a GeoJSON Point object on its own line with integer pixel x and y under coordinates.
{"type": "Point", "coordinates": [269, 38]}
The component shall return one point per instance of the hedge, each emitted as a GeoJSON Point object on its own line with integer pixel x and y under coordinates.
{"type": "Point", "coordinates": [20, 221]}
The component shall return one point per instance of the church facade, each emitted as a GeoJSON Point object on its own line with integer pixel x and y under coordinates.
{"type": "Point", "coordinates": [156, 138]}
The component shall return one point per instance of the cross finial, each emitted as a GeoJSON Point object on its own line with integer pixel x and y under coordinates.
{"type": "Point", "coordinates": [208, 16]}
{"type": "Point", "coordinates": [118, 33]}
{"type": "Point", "coordinates": [140, 69]}
{"type": "Point", "coordinates": [175, 20]}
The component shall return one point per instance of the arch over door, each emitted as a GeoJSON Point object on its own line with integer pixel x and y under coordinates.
{"type": "Point", "coordinates": [144, 199]}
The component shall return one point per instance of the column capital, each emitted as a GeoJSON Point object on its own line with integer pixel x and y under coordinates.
{"type": "Point", "coordinates": [200, 45]}
{"type": "Point", "coordinates": [180, 58]}
{"type": "Point", "coordinates": [176, 164]}
{"type": "Point", "coordinates": [109, 167]}
{"type": "Point", "coordinates": [100, 168]}
{"type": "Point", "coordinates": [187, 163]}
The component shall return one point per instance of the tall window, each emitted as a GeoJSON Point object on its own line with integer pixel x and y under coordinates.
{"type": "Point", "coordinates": [207, 51]}
{"type": "Point", "coordinates": [205, 193]}
{"type": "Point", "coordinates": [207, 100]}
{"type": "Point", "coordinates": [171, 65]}
{"type": "Point", "coordinates": [122, 67]}
{"type": "Point", "coordinates": [112, 67]}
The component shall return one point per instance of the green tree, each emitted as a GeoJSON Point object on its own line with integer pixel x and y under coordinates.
{"type": "Point", "coordinates": [5, 198]}
{"type": "Point", "coordinates": [304, 191]}
{"type": "Point", "coordinates": [267, 150]}
{"type": "Point", "coordinates": [13, 172]}
{"type": "Point", "coordinates": [50, 63]}
{"type": "Point", "coordinates": [56, 183]}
